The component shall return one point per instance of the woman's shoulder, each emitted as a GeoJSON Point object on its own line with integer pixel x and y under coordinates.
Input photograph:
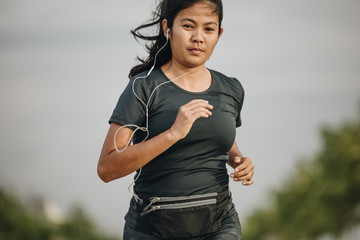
{"type": "Point", "coordinates": [230, 83]}
{"type": "Point", "coordinates": [145, 82]}
{"type": "Point", "coordinates": [155, 76]}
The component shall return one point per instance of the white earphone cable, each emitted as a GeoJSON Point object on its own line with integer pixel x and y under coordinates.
{"type": "Point", "coordinates": [146, 105]}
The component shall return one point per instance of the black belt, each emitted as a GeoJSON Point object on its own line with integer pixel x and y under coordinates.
{"type": "Point", "coordinates": [182, 201]}
{"type": "Point", "coordinates": [182, 217]}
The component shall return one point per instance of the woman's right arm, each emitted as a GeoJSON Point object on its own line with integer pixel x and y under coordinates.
{"type": "Point", "coordinates": [113, 164]}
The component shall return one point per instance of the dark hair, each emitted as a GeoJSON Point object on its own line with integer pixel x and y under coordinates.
{"type": "Point", "coordinates": [166, 9]}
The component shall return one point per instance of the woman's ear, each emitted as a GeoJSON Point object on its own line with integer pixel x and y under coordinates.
{"type": "Point", "coordinates": [221, 30]}
{"type": "Point", "coordinates": [165, 28]}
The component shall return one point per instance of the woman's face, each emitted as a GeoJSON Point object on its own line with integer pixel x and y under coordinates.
{"type": "Point", "coordinates": [194, 35]}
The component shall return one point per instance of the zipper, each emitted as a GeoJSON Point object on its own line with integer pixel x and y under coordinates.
{"type": "Point", "coordinates": [174, 199]}
{"type": "Point", "coordinates": [179, 202]}
{"type": "Point", "coordinates": [154, 208]}
{"type": "Point", "coordinates": [152, 201]}
{"type": "Point", "coordinates": [177, 205]}
{"type": "Point", "coordinates": [187, 204]}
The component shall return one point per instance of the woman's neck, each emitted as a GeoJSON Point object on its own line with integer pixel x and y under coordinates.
{"type": "Point", "coordinates": [195, 79]}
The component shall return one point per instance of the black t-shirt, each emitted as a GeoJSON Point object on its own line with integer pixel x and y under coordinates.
{"type": "Point", "coordinates": [195, 164]}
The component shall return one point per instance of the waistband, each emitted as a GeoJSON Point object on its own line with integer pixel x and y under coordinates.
{"type": "Point", "coordinates": [165, 203]}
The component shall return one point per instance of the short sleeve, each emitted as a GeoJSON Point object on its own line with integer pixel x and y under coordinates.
{"type": "Point", "coordinates": [239, 98]}
{"type": "Point", "coordinates": [129, 109]}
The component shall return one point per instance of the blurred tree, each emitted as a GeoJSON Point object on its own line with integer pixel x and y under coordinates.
{"type": "Point", "coordinates": [80, 227]}
{"type": "Point", "coordinates": [322, 196]}
{"type": "Point", "coordinates": [17, 223]}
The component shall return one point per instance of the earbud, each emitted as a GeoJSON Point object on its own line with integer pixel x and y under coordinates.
{"type": "Point", "coordinates": [167, 33]}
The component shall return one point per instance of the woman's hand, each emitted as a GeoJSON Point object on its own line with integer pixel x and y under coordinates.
{"type": "Point", "coordinates": [187, 115]}
{"type": "Point", "coordinates": [243, 170]}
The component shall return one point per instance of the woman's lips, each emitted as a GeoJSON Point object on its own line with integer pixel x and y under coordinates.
{"type": "Point", "coordinates": [196, 51]}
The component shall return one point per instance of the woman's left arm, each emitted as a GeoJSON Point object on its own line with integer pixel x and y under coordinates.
{"type": "Point", "coordinates": [243, 166]}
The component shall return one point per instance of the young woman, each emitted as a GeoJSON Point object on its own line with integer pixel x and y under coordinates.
{"type": "Point", "coordinates": [182, 119]}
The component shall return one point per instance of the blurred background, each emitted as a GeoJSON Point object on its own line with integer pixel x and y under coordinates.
{"type": "Point", "coordinates": [63, 65]}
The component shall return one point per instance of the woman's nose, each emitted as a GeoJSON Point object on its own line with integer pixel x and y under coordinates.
{"type": "Point", "coordinates": [198, 36]}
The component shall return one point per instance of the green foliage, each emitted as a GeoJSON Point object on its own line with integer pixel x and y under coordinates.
{"type": "Point", "coordinates": [17, 223]}
{"type": "Point", "coordinates": [322, 197]}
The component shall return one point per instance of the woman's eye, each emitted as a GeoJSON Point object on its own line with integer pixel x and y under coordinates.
{"type": "Point", "coordinates": [209, 29]}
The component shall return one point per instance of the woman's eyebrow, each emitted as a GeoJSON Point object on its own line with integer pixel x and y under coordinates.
{"type": "Point", "coordinates": [194, 22]}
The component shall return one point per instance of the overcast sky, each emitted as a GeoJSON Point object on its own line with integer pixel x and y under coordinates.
{"type": "Point", "coordinates": [63, 65]}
